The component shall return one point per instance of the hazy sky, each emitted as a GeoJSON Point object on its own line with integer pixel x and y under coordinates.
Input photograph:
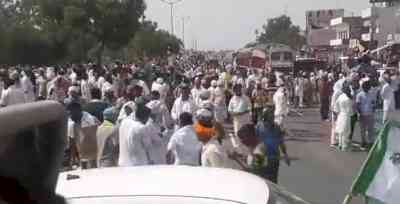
{"type": "Point", "coordinates": [230, 24]}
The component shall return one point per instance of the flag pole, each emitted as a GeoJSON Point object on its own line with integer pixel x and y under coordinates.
{"type": "Point", "coordinates": [348, 199]}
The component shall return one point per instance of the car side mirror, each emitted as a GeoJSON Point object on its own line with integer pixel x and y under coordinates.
{"type": "Point", "coordinates": [33, 137]}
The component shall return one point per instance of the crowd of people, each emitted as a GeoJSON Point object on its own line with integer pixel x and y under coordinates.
{"type": "Point", "coordinates": [157, 114]}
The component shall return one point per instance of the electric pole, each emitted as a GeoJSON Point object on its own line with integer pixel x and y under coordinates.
{"type": "Point", "coordinates": [171, 3]}
{"type": "Point", "coordinates": [183, 28]}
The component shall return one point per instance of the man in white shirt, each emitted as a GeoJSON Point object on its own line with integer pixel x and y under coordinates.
{"type": "Point", "coordinates": [220, 109]}
{"type": "Point", "coordinates": [158, 149]}
{"type": "Point", "coordinates": [161, 87]}
{"type": "Point", "coordinates": [132, 92]}
{"type": "Point", "coordinates": [82, 128]}
{"type": "Point", "coordinates": [14, 94]}
{"type": "Point", "coordinates": [281, 105]}
{"type": "Point", "coordinates": [299, 90]}
{"type": "Point", "coordinates": [183, 104]}
{"type": "Point", "coordinates": [134, 141]}
{"type": "Point", "coordinates": [239, 108]}
{"type": "Point", "coordinates": [387, 94]}
{"type": "Point", "coordinates": [27, 86]}
{"type": "Point", "coordinates": [184, 148]}
{"type": "Point", "coordinates": [196, 90]}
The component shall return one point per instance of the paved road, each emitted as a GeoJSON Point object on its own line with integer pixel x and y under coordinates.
{"type": "Point", "coordinates": [318, 173]}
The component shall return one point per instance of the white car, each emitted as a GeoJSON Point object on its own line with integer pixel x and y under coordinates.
{"type": "Point", "coordinates": [169, 185]}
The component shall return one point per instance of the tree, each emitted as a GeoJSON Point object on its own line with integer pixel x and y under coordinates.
{"type": "Point", "coordinates": [281, 30]}
{"type": "Point", "coordinates": [153, 42]}
{"type": "Point", "coordinates": [112, 23]}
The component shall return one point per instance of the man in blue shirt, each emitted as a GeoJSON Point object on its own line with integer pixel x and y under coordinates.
{"type": "Point", "coordinates": [272, 136]}
{"type": "Point", "coordinates": [366, 107]}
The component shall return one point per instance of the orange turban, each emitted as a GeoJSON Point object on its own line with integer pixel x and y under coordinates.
{"type": "Point", "coordinates": [204, 132]}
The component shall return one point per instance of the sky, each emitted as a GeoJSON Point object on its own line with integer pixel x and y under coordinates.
{"type": "Point", "coordinates": [230, 24]}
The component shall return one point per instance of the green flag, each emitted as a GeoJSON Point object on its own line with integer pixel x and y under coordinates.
{"type": "Point", "coordinates": [379, 178]}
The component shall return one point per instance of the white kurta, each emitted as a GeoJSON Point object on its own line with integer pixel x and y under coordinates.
{"type": "Point", "coordinates": [344, 108]}
{"type": "Point", "coordinates": [107, 87]}
{"type": "Point", "coordinates": [185, 146]}
{"type": "Point", "coordinates": [180, 107]}
{"type": "Point", "coordinates": [214, 155]}
{"type": "Point", "coordinates": [100, 81]}
{"type": "Point", "coordinates": [85, 90]}
{"type": "Point", "coordinates": [220, 109]}
{"type": "Point", "coordinates": [299, 89]}
{"type": "Point", "coordinates": [196, 95]}
{"type": "Point", "coordinates": [13, 95]}
{"type": "Point", "coordinates": [134, 144]}
{"type": "Point", "coordinates": [158, 150]}
{"type": "Point", "coordinates": [161, 88]}
{"type": "Point", "coordinates": [240, 104]}
{"type": "Point", "coordinates": [389, 105]}
{"type": "Point", "coordinates": [123, 114]}
{"type": "Point", "coordinates": [87, 143]}
{"type": "Point", "coordinates": [29, 89]}
{"type": "Point", "coordinates": [281, 106]}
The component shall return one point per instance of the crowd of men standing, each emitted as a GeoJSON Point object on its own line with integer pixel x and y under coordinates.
{"type": "Point", "coordinates": [127, 115]}
{"type": "Point", "coordinates": [120, 115]}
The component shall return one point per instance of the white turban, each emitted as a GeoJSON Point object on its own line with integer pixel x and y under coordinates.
{"type": "Point", "coordinates": [204, 113]}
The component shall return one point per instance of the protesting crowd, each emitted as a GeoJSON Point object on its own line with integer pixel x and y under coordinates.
{"type": "Point", "coordinates": [180, 114]}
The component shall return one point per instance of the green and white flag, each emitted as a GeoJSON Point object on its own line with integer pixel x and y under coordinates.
{"type": "Point", "coordinates": [379, 177]}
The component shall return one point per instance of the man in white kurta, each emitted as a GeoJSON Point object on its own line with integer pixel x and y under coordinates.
{"type": "Point", "coordinates": [184, 144]}
{"type": "Point", "coordinates": [214, 155]}
{"type": "Point", "coordinates": [14, 94]}
{"type": "Point", "coordinates": [387, 94]}
{"type": "Point", "coordinates": [161, 87]}
{"type": "Point", "coordinates": [281, 105]}
{"type": "Point", "coordinates": [134, 141]}
{"type": "Point", "coordinates": [183, 104]}
{"type": "Point", "coordinates": [299, 90]}
{"type": "Point", "coordinates": [337, 91]}
{"type": "Point", "coordinates": [239, 108]}
{"type": "Point", "coordinates": [344, 109]}
{"type": "Point", "coordinates": [157, 149]}
{"type": "Point", "coordinates": [29, 89]}
{"type": "Point", "coordinates": [195, 92]}
{"type": "Point", "coordinates": [219, 101]}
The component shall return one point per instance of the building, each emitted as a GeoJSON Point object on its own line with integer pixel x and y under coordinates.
{"type": "Point", "coordinates": [318, 32]}
{"type": "Point", "coordinates": [383, 22]}
{"type": "Point", "coordinates": [319, 19]}
{"type": "Point", "coordinates": [348, 34]}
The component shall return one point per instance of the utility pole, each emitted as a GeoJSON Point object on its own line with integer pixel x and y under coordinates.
{"type": "Point", "coordinates": [171, 3]}
{"type": "Point", "coordinates": [183, 28]}
{"type": "Point", "coordinates": [373, 27]}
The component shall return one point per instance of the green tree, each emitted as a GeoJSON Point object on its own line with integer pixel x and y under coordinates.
{"type": "Point", "coordinates": [281, 30]}
{"type": "Point", "coordinates": [153, 42]}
